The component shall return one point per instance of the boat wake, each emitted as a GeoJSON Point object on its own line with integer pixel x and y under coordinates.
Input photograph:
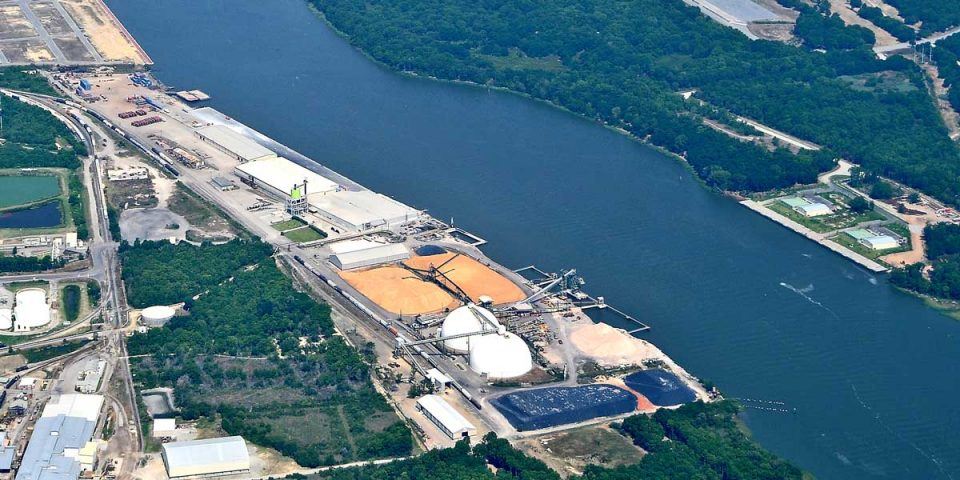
{"type": "Point", "coordinates": [803, 293]}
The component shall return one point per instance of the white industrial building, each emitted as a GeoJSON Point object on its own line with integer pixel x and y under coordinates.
{"type": "Point", "coordinates": [445, 416]}
{"type": "Point", "coordinates": [279, 177]}
{"type": "Point", "coordinates": [880, 242]}
{"type": "Point", "coordinates": [813, 210]}
{"type": "Point", "coordinates": [234, 143]}
{"type": "Point", "coordinates": [61, 446]}
{"type": "Point", "coordinates": [500, 355]}
{"type": "Point", "coordinates": [31, 309]}
{"type": "Point", "coordinates": [157, 315]}
{"type": "Point", "coordinates": [351, 254]}
{"type": "Point", "coordinates": [361, 210]}
{"type": "Point", "coordinates": [164, 427]}
{"type": "Point", "coordinates": [213, 456]}
{"type": "Point", "coordinates": [463, 320]}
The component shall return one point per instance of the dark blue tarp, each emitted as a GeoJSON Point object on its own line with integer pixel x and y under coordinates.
{"type": "Point", "coordinates": [549, 407]}
{"type": "Point", "coordinates": [660, 387]}
{"type": "Point", "coordinates": [427, 250]}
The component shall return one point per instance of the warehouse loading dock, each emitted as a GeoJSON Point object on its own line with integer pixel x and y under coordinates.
{"type": "Point", "coordinates": [233, 143]}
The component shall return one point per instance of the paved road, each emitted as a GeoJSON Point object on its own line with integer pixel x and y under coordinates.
{"type": "Point", "coordinates": [906, 45]}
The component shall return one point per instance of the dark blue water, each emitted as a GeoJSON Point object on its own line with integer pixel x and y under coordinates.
{"type": "Point", "coordinates": [41, 216]}
{"type": "Point", "coordinates": [733, 297]}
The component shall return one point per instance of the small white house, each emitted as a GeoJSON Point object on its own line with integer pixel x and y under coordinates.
{"type": "Point", "coordinates": [813, 209]}
{"type": "Point", "coordinates": [880, 242]}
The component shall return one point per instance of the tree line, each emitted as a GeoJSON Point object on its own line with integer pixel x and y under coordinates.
{"type": "Point", "coordinates": [623, 62]}
{"type": "Point", "coordinates": [942, 243]}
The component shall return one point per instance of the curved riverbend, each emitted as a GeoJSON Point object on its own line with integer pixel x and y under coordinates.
{"type": "Point", "coordinates": [733, 297]}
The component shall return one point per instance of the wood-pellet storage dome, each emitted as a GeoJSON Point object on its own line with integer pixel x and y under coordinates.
{"type": "Point", "coordinates": [500, 355]}
{"type": "Point", "coordinates": [463, 320]}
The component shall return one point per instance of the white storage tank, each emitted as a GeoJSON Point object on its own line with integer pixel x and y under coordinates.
{"type": "Point", "coordinates": [157, 316]}
{"type": "Point", "coordinates": [31, 309]}
{"type": "Point", "coordinates": [465, 319]}
{"type": "Point", "coordinates": [500, 355]}
{"type": "Point", "coordinates": [6, 319]}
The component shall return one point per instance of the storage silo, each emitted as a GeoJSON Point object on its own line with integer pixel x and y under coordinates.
{"type": "Point", "coordinates": [500, 355]}
{"type": "Point", "coordinates": [465, 319]}
{"type": "Point", "coordinates": [156, 316]}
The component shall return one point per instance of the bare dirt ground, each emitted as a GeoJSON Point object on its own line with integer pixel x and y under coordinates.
{"type": "Point", "coordinates": [14, 24]}
{"type": "Point", "coordinates": [849, 17]}
{"type": "Point", "coordinates": [888, 10]}
{"type": "Point", "coordinates": [940, 92]}
{"type": "Point", "coordinates": [610, 346]}
{"type": "Point", "coordinates": [569, 452]}
{"type": "Point", "coordinates": [397, 290]}
{"type": "Point", "coordinates": [475, 278]}
{"type": "Point", "coordinates": [106, 34]}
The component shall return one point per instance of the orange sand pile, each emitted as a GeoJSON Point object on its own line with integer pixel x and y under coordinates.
{"type": "Point", "coordinates": [399, 291]}
{"type": "Point", "coordinates": [473, 277]}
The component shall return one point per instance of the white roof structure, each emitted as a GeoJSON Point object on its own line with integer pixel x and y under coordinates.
{"type": "Point", "coordinates": [880, 242]}
{"type": "Point", "coordinates": [31, 310]}
{"type": "Point", "coordinates": [361, 210]}
{"type": "Point", "coordinates": [813, 210]}
{"type": "Point", "coordinates": [234, 142]}
{"type": "Point", "coordinates": [163, 427]}
{"type": "Point", "coordinates": [281, 175]}
{"type": "Point", "coordinates": [157, 315]}
{"type": "Point", "coordinates": [465, 319]}
{"type": "Point", "coordinates": [206, 457]}
{"type": "Point", "coordinates": [6, 319]}
{"type": "Point", "coordinates": [60, 438]}
{"type": "Point", "coordinates": [445, 416]}
{"type": "Point", "coordinates": [500, 355]}
{"type": "Point", "coordinates": [353, 254]}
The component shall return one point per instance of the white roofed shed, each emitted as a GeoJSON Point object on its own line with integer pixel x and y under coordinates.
{"type": "Point", "coordinates": [364, 253]}
{"type": "Point", "coordinates": [445, 416]}
{"type": "Point", "coordinates": [213, 456]}
{"type": "Point", "coordinates": [234, 143]}
{"type": "Point", "coordinates": [279, 176]}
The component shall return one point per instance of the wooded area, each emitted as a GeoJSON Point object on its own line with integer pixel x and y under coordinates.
{"type": "Point", "coordinates": [936, 16]}
{"type": "Point", "coordinates": [257, 354]}
{"type": "Point", "coordinates": [943, 251]}
{"type": "Point", "coordinates": [623, 62]}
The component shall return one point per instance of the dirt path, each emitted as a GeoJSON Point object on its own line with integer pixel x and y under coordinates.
{"type": "Point", "coordinates": [346, 429]}
{"type": "Point", "coordinates": [849, 17]}
{"type": "Point", "coordinates": [940, 92]}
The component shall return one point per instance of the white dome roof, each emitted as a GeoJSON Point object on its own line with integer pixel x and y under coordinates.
{"type": "Point", "coordinates": [461, 321]}
{"type": "Point", "coordinates": [158, 313]}
{"type": "Point", "coordinates": [500, 355]}
{"type": "Point", "coordinates": [6, 319]}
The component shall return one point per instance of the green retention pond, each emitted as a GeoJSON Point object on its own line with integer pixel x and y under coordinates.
{"type": "Point", "coordinates": [18, 190]}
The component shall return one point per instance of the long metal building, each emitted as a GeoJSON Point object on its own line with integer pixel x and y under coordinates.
{"type": "Point", "coordinates": [213, 456]}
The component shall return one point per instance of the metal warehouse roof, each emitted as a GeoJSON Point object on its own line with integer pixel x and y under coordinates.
{"type": "Point", "coordinates": [66, 424]}
{"type": "Point", "coordinates": [282, 174]}
{"type": "Point", "coordinates": [220, 454]}
{"type": "Point", "coordinates": [794, 202]}
{"type": "Point", "coordinates": [363, 209]}
{"type": "Point", "coordinates": [443, 413]}
{"type": "Point", "coordinates": [235, 142]}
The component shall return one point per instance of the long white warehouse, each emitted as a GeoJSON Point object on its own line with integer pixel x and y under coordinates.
{"type": "Point", "coordinates": [445, 416]}
{"type": "Point", "coordinates": [213, 456]}
{"type": "Point", "coordinates": [279, 176]}
{"type": "Point", "coordinates": [234, 143]}
{"type": "Point", "coordinates": [361, 210]}
{"type": "Point", "coordinates": [353, 254]}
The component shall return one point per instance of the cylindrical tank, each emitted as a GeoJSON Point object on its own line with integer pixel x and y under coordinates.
{"type": "Point", "coordinates": [157, 315]}
{"type": "Point", "coordinates": [500, 355]}
{"type": "Point", "coordinates": [6, 319]}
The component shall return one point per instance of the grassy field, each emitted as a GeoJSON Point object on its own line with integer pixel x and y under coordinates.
{"type": "Point", "coordinates": [841, 218]}
{"type": "Point", "coordinates": [287, 224]}
{"type": "Point", "coordinates": [198, 212]}
{"type": "Point", "coordinates": [593, 446]}
{"type": "Point", "coordinates": [849, 242]}
{"type": "Point", "coordinates": [304, 234]}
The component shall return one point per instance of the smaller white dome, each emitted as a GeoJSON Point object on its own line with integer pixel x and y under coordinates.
{"type": "Point", "coordinates": [157, 315]}
{"type": "Point", "coordinates": [462, 320]}
{"type": "Point", "coordinates": [6, 319]}
{"type": "Point", "coordinates": [500, 355]}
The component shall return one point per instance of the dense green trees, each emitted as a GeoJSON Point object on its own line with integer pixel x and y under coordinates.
{"type": "Point", "coordinates": [15, 263]}
{"type": "Point", "coordinates": [943, 250]}
{"type": "Point", "coordinates": [698, 441]}
{"type": "Point", "coordinates": [257, 353]}
{"type": "Point", "coordinates": [622, 62]}
{"type": "Point", "coordinates": [19, 78]}
{"type": "Point", "coordinates": [946, 55]}
{"type": "Point", "coordinates": [161, 273]}
{"type": "Point", "coordinates": [828, 31]}
{"type": "Point", "coordinates": [891, 25]}
{"type": "Point", "coordinates": [936, 16]}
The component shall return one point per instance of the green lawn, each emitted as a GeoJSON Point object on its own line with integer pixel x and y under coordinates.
{"type": "Point", "coordinates": [849, 242]}
{"type": "Point", "coordinates": [304, 234]}
{"type": "Point", "coordinates": [842, 218]}
{"type": "Point", "coordinates": [288, 224]}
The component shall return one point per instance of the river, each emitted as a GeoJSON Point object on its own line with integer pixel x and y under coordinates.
{"type": "Point", "coordinates": [733, 297]}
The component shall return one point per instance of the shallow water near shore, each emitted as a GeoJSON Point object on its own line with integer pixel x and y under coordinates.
{"type": "Point", "coordinates": [734, 298]}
